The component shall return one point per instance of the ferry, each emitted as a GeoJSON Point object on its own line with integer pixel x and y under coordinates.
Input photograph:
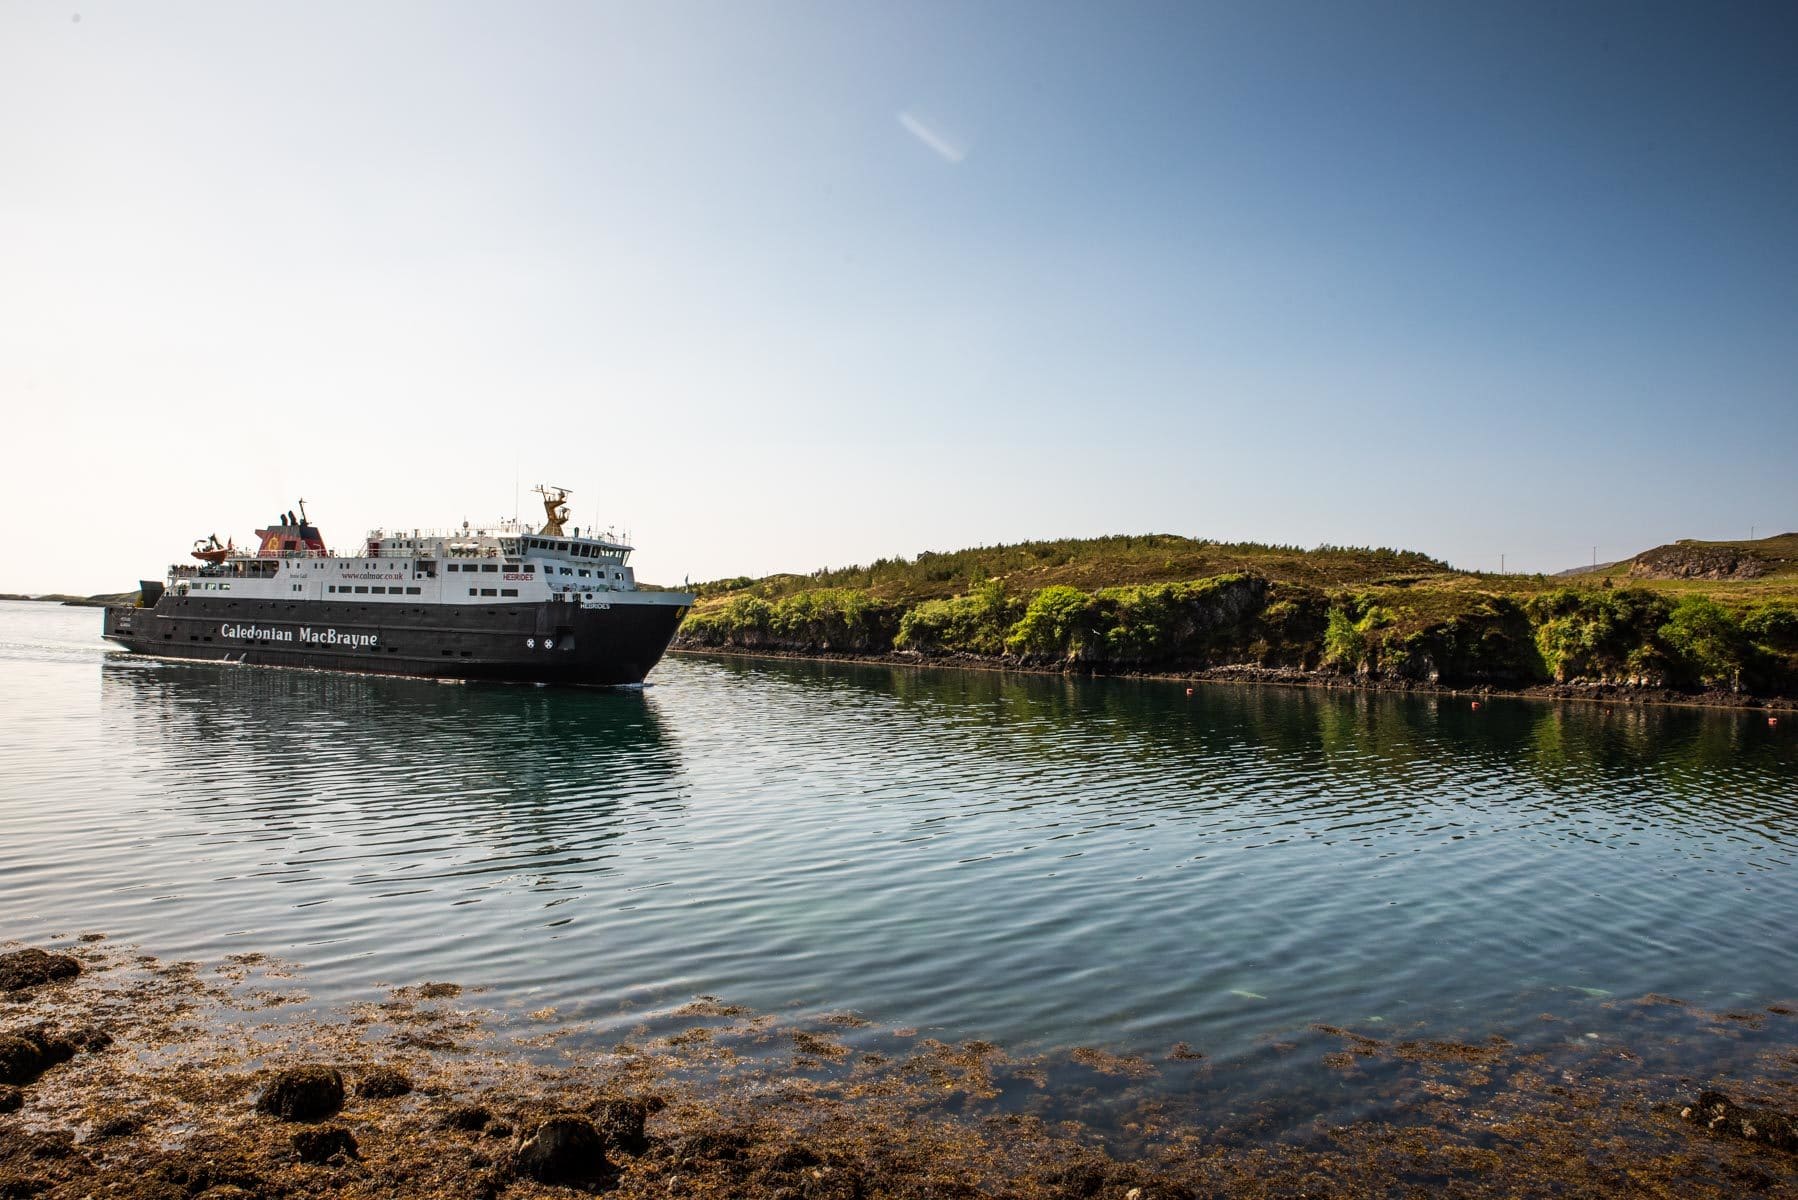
{"type": "Point", "coordinates": [504, 603]}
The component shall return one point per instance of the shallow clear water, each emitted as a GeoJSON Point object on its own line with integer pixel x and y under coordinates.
{"type": "Point", "coordinates": [1039, 862]}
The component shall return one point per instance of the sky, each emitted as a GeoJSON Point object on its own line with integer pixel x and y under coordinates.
{"type": "Point", "coordinates": [778, 286]}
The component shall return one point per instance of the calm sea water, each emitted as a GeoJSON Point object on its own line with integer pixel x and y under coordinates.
{"type": "Point", "coordinates": [1039, 862]}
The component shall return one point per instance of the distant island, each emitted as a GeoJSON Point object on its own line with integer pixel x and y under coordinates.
{"type": "Point", "coordinates": [1716, 621]}
{"type": "Point", "coordinates": [99, 601]}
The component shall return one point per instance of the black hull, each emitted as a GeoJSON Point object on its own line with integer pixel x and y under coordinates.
{"type": "Point", "coordinates": [521, 643]}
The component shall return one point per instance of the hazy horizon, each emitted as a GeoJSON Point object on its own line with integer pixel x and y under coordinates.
{"type": "Point", "coordinates": [788, 286]}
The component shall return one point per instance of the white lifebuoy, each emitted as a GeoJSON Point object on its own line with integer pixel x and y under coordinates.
{"type": "Point", "coordinates": [549, 643]}
{"type": "Point", "coordinates": [530, 643]}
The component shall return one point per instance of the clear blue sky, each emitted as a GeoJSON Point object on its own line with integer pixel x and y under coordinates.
{"type": "Point", "coordinates": [781, 286]}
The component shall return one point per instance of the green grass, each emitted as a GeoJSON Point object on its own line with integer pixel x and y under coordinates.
{"type": "Point", "coordinates": [1092, 563]}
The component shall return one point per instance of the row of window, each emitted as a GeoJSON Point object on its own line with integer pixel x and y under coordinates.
{"type": "Point", "coordinates": [577, 549]}
{"type": "Point", "coordinates": [511, 568]}
{"type": "Point", "coordinates": [584, 573]}
{"type": "Point", "coordinates": [493, 591]}
{"type": "Point", "coordinates": [377, 590]}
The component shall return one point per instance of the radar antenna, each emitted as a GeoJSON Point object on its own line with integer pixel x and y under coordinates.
{"type": "Point", "coordinates": [555, 511]}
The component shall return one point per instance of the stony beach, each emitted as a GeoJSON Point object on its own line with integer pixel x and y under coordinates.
{"type": "Point", "coordinates": [128, 1076]}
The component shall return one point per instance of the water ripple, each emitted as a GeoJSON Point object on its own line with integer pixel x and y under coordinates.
{"type": "Point", "coordinates": [1040, 861]}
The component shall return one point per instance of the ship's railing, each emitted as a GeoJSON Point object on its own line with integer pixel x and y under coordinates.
{"type": "Point", "coordinates": [229, 569]}
{"type": "Point", "coordinates": [456, 544]}
{"type": "Point", "coordinates": [251, 556]}
{"type": "Point", "coordinates": [609, 536]}
{"type": "Point", "coordinates": [453, 550]}
{"type": "Point", "coordinates": [504, 529]}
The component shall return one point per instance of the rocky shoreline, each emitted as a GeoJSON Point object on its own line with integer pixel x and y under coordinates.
{"type": "Point", "coordinates": [130, 1077]}
{"type": "Point", "coordinates": [1596, 693]}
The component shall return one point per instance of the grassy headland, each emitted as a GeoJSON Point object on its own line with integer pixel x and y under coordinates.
{"type": "Point", "coordinates": [1690, 617]}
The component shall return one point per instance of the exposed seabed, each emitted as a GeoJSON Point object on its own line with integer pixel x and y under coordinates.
{"type": "Point", "coordinates": [141, 1078]}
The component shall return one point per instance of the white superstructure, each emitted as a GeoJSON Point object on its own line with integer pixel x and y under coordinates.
{"type": "Point", "coordinates": [504, 563]}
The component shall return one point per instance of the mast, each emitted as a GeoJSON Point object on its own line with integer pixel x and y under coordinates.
{"type": "Point", "coordinates": [555, 511]}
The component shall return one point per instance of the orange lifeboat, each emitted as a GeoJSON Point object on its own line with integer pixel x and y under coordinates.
{"type": "Point", "coordinates": [208, 550]}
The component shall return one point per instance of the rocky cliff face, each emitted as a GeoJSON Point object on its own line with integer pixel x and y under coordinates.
{"type": "Point", "coordinates": [1698, 560]}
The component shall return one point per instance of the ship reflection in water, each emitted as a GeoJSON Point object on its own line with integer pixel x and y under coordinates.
{"type": "Point", "coordinates": [367, 824]}
{"type": "Point", "coordinates": [1042, 863]}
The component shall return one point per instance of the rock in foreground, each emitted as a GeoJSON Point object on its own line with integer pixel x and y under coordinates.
{"type": "Point", "coordinates": [1719, 1114]}
{"type": "Point", "coordinates": [308, 1093]}
{"type": "Point", "coordinates": [565, 1148]}
{"type": "Point", "coordinates": [321, 1144]}
{"type": "Point", "coordinates": [29, 1053]}
{"type": "Point", "coordinates": [31, 967]}
{"type": "Point", "coordinates": [383, 1083]}
{"type": "Point", "coordinates": [620, 1123]}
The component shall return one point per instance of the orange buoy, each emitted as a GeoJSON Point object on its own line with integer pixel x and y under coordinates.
{"type": "Point", "coordinates": [1189, 691]}
{"type": "Point", "coordinates": [1476, 704]}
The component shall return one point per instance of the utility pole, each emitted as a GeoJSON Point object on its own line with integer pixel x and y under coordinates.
{"type": "Point", "coordinates": [1595, 557]}
{"type": "Point", "coordinates": [1501, 564]}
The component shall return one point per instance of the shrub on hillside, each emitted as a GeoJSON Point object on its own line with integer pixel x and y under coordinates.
{"type": "Point", "coordinates": [735, 622]}
{"type": "Point", "coordinates": [1601, 635]}
{"type": "Point", "coordinates": [1773, 627]}
{"type": "Point", "coordinates": [1194, 623]}
{"type": "Point", "coordinates": [842, 619]}
{"type": "Point", "coordinates": [835, 619]}
{"type": "Point", "coordinates": [1178, 623]}
{"type": "Point", "coordinates": [972, 624]}
{"type": "Point", "coordinates": [1350, 632]}
{"type": "Point", "coordinates": [1056, 624]}
{"type": "Point", "coordinates": [1707, 644]}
